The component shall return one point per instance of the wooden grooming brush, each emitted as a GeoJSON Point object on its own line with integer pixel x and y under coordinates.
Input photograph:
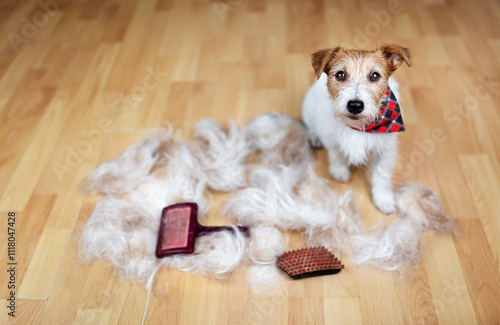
{"type": "Point", "coordinates": [309, 262]}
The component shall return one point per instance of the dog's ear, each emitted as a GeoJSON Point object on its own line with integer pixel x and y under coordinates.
{"type": "Point", "coordinates": [321, 58]}
{"type": "Point", "coordinates": [395, 55]}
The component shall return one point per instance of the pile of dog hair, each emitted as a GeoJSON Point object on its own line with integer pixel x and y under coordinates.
{"type": "Point", "coordinates": [268, 168]}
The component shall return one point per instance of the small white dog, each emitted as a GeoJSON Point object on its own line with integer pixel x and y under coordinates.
{"type": "Point", "coordinates": [352, 110]}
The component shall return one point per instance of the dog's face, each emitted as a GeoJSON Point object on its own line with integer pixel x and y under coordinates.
{"type": "Point", "coordinates": [357, 79]}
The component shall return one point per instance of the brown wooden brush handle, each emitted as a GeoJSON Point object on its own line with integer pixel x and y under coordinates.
{"type": "Point", "coordinates": [202, 230]}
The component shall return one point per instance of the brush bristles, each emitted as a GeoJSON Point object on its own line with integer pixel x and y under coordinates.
{"type": "Point", "coordinates": [309, 262]}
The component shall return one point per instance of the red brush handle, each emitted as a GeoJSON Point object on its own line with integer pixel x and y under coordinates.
{"type": "Point", "coordinates": [202, 230]}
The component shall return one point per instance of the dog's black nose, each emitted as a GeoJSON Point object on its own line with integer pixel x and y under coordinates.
{"type": "Point", "coordinates": [355, 106]}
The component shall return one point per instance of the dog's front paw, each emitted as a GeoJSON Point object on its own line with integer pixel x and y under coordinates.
{"type": "Point", "coordinates": [340, 173]}
{"type": "Point", "coordinates": [384, 200]}
{"type": "Point", "coordinates": [314, 141]}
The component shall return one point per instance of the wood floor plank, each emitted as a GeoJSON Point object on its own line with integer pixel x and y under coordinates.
{"type": "Point", "coordinates": [447, 282]}
{"type": "Point", "coordinates": [480, 270]}
{"type": "Point", "coordinates": [343, 285]}
{"type": "Point", "coordinates": [44, 265]}
{"type": "Point", "coordinates": [288, 311]}
{"type": "Point", "coordinates": [295, 90]}
{"type": "Point", "coordinates": [19, 188]}
{"type": "Point", "coordinates": [342, 311]}
{"type": "Point", "coordinates": [305, 20]}
{"type": "Point", "coordinates": [103, 296]}
{"type": "Point", "coordinates": [120, 301]}
{"type": "Point", "coordinates": [28, 311]}
{"type": "Point", "coordinates": [55, 125]}
{"type": "Point", "coordinates": [270, 311]}
{"type": "Point", "coordinates": [30, 221]}
{"type": "Point", "coordinates": [25, 49]}
{"type": "Point", "coordinates": [483, 182]}
{"type": "Point", "coordinates": [215, 301]}
{"type": "Point", "coordinates": [442, 156]}
{"type": "Point", "coordinates": [380, 301]}
{"type": "Point", "coordinates": [28, 89]}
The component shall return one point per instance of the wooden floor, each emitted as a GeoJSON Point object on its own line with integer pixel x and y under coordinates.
{"type": "Point", "coordinates": [81, 80]}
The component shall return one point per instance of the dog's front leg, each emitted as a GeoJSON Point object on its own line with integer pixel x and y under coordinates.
{"type": "Point", "coordinates": [381, 179]}
{"type": "Point", "coordinates": [338, 166]}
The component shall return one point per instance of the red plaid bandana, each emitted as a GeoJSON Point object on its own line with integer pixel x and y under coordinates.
{"type": "Point", "coordinates": [390, 119]}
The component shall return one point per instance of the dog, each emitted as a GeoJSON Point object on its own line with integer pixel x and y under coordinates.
{"type": "Point", "coordinates": [352, 110]}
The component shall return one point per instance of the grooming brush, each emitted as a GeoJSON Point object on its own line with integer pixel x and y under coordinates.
{"type": "Point", "coordinates": [179, 229]}
{"type": "Point", "coordinates": [309, 262]}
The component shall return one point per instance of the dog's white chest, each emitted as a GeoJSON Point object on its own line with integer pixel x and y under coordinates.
{"type": "Point", "coordinates": [357, 147]}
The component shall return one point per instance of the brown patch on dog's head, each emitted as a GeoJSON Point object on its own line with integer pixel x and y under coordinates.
{"type": "Point", "coordinates": [321, 58]}
{"type": "Point", "coordinates": [395, 55]}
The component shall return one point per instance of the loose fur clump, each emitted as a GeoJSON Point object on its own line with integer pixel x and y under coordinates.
{"type": "Point", "coordinates": [280, 140]}
{"type": "Point", "coordinates": [266, 245]}
{"type": "Point", "coordinates": [294, 199]}
{"type": "Point", "coordinates": [269, 168]}
{"type": "Point", "coordinates": [216, 254]}
{"type": "Point", "coordinates": [120, 175]}
{"type": "Point", "coordinates": [397, 245]}
{"type": "Point", "coordinates": [419, 203]}
{"type": "Point", "coordinates": [124, 230]}
{"type": "Point", "coordinates": [120, 233]}
{"type": "Point", "coordinates": [265, 280]}
{"type": "Point", "coordinates": [221, 153]}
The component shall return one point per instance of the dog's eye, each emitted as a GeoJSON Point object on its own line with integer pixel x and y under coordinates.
{"type": "Point", "coordinates": [340, 76]}
{"type": "Point", "coordinates": [374, 76]}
